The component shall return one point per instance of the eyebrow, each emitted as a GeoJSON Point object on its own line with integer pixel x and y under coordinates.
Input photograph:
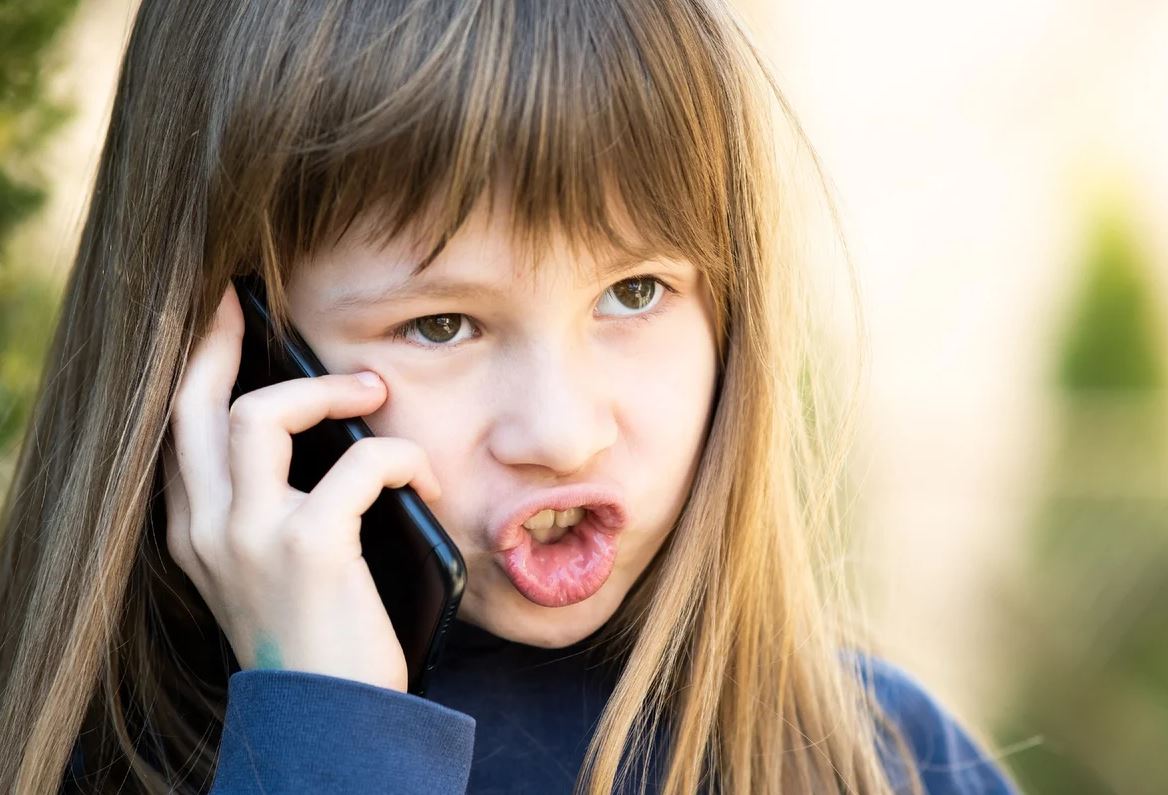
{"type": "Point", "coordinates": [459, 288]}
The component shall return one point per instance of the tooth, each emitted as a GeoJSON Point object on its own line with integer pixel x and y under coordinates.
{"type": "Point", "coordinates": [570, 517]}
{"type": "Point", "coordinates": [544, 520]}
{"type": "Point", "coordinates": [549, 525]}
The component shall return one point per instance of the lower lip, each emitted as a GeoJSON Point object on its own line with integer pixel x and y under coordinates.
{"type": "Point", "coordinates": [568, 571]}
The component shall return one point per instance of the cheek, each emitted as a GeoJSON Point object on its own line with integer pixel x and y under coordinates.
{"type": "Point", "coordinates": [443, 432]}
{"type": "Point", "coordinates": [666, 402]}
{"type": "Point", "coordinates": [669, 387]}
{"type": "Point", "coordinates": [429, 417]}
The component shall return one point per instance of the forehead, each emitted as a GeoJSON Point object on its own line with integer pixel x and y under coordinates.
{"type": "Point", "coordinates": [487, 245]}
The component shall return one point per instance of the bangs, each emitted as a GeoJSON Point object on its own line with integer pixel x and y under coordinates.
{"type": "Point", "coordinates": [606, 123]}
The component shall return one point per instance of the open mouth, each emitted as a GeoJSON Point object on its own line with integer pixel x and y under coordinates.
{"type": "Point", "coordinates": [567, 569]}
{"type": "Point", "coordinates": [558, 546]}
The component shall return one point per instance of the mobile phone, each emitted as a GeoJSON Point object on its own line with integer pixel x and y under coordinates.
{"type": "Point", "coordinates": [418, 571]}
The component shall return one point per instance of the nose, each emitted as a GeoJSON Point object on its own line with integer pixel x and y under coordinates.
{"type": "Point", "coordinates": [556, 412]}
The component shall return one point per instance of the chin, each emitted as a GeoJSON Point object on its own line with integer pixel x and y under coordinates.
{"type": "Point", "coordinates": [525, 622]}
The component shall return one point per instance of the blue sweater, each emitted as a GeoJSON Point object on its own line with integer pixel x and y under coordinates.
{"type": "Point", "coordinates": [499, 717]}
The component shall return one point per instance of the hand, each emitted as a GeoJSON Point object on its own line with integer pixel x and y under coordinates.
{"type": "Point", "coordinates": [280, 569]}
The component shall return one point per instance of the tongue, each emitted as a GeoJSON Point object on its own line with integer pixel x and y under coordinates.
{"type": "Point", "coordinates": [569, 540]}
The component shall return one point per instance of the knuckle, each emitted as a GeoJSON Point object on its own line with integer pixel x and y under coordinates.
{"type": "Point", "coordinates": [403, 450]}
{"type": "Point", "coordinates": [248, 408]}
{"type": "Point", "coordinates": [301, 541]}
{"type": "Point", "coordinates": [210, 526]}
{"type": "Point", "coordinates": [382, 456]}
{"type": "Point", "coordinates": [242, 535]}
{"type": "Point", "coordinates": [368, 452]}
{"type": "Point", "coordinates": [308, 540]}
{"type": "Point", "coordinates": [243, 412]}
{"type": "Point", "coordinates": [204, 543]}
{"type": "Point", "coordinates": [178, 550]}
{"type": "Point", "coordinates": [419, 461]}
{"type": "Point", "coordinates": [246, 549]}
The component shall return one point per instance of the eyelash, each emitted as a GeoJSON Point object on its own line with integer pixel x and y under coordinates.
{"type": "Point", "coordinates": [400, 331]}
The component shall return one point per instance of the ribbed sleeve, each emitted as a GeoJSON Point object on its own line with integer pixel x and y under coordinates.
{"type": "Point", "coordinates": [290, 731]}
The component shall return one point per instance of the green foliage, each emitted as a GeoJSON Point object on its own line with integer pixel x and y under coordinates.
{"type": "Point", "coordinates": [17, 202]}
{"type": "Point", "coordinates": [1113, 341]}
{"type": "Point", "coordinates": [28, 303]}
{"type": "Point", "coordinates": [27, 118]}
{"type": "Point", "coordinates": [1089, 652]}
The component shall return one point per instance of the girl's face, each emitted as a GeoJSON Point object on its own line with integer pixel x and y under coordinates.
{"type": "Point", "coordinates": [524, 382]}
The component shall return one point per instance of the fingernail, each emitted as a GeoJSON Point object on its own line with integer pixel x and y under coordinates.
{"type": "Point", "coordinates": [368, 379]}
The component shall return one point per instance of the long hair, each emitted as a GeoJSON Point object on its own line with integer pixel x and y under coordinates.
{"type": "Point", "coordinates": [244, 136]}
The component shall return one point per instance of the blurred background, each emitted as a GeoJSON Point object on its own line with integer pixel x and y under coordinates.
{"type": "Point", "coordinates": [1002, 175]}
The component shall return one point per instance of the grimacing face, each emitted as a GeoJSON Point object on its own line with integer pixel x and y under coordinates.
{"type": "Point", "coordinates": [526, 382]}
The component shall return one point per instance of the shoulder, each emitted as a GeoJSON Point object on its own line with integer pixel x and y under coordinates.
{"type": "Point", "coordinates": [949, 760]}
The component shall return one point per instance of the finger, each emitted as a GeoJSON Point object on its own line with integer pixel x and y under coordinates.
{"type": "Point", "coordinates": [262, 423]}
{"type": "Point", "coordinates": [353, 484]}
{"type": "Point", "coordinates": [178, 515]}
{"type": "Point", "coordinates": [200, 418]}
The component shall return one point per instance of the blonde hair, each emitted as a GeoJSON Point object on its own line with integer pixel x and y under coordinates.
{"type": "Point", "coordinates": [245, 135]}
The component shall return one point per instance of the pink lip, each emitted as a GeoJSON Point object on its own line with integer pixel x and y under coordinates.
{"type": "Point", "coordinates": [572, 569]}
{"type": "Point", "coordinates": [605, 503]}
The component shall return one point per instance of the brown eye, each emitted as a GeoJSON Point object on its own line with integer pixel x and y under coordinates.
{"type": "Point", "coordinates": [636, 293]}
{"type": "Point", "coordinates": [436, 330]}
{"type": "Point", "coordinates": [439, 328]}
{"type": "Point", "coordinates": [639, 297]}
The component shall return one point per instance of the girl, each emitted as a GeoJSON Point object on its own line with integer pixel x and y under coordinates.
{"type": "Point", "coordinates": [540, 248]}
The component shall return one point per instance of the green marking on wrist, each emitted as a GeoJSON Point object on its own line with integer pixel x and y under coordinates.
{"type": "Point", "coordinates": [268, 653]}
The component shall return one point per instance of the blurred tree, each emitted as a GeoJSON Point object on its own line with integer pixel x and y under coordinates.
{"type": "Point", "coordinates": [27, 118]}
{"type": "Point", "coordinates": [1090, 660]}
{"type": "Point", "coordinates": [1113, 342]}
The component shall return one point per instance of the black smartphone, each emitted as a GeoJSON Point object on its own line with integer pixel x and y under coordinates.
{"type": "Point", "coordinates": [418, 571]}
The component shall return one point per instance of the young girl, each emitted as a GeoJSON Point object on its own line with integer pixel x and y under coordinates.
{"type": "Point", "coordinates": [541, 249]}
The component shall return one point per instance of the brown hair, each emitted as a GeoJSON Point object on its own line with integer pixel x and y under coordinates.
{"type": "Point", "coordinates": [246, 134]}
